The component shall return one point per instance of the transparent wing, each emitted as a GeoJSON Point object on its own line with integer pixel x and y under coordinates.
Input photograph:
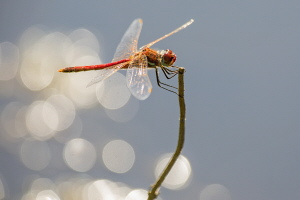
{"type": "Point", "coordinates": [128, 44]}
{"type": "Point", "coordinates": [106, 72]}
{"type": "Point", "coordinates": [137, 77]}
{"type": "Point", "coordinates": [167, 35]}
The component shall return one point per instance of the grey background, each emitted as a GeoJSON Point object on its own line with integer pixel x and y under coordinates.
{"type": "Point", "coordinates": [242, 90]}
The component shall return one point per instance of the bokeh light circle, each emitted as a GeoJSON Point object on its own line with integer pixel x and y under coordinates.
{"type": "Point", "coordinates": [215, 192]}
{"type": "Point", "coordinates": [79, 155]}
{"type": "Point", "coordinates": [35, 121]}
{"type": "Point", "coordinates": [137, 194]}
{"type": "Point", "coordinates": [84, 38]}
{"type": "Point", "coordinates": [63, 111]}
{"type": "Point", "coordinates": [105, 189]}
{"type": "Point", "coordinates": [112, 93]}
{"type": "Point", "coordinates": [179, 174]}
{"type": "Point", "coordinates": [40, 184]}
{"type": "Point", "coordinates": [39, 59]}
{"type": "Point", "coordinates": [125, 113]}
{"type": "Point", "coordinates": [13, 120]}
{"type": "Point", "coordinates": [47, 195]}
{"type": "Point", "coordinates": [118, 156]}
{"type": "Point", "coordinates": [30, 36]}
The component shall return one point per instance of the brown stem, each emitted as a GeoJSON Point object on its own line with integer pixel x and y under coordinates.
{"type": "Point", "coordinates": [153, 193]}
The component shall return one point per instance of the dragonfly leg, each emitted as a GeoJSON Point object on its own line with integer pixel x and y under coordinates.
{"type": "Point", "coordinates": [159, 83]}
{"type": "Point", "coordinates": [168, 72]}
{"type": "Point", "coordinates": [157, 75]}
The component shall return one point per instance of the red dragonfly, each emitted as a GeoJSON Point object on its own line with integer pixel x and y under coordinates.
{"type": "Point", "coordinates": [136, 62]}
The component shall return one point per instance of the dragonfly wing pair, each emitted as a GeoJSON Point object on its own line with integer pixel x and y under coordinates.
{"type": "Point", "coordinates": [138, 81]}
{"type": "Point", "coordinates": [137, 77]}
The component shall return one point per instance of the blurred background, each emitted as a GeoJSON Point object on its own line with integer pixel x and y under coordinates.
{"type": "Point", "coordinates": [61, 140]}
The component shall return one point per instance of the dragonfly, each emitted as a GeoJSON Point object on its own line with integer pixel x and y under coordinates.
{"type": "Point", "coordinates": [137, 62]}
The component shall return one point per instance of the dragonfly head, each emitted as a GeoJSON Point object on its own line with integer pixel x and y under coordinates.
{"type": "Point", "coordinates": [168, 57]}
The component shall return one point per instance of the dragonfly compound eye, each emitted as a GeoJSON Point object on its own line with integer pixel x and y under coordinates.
{"type": "Point", "coordinates": [168, 57]}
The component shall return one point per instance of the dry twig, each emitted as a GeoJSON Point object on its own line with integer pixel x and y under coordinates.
{"type": "Point", "coordinates": [154, 191]}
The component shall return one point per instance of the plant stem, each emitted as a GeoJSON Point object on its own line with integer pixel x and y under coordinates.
{"type": "Point", "coordinates": [153, 193]}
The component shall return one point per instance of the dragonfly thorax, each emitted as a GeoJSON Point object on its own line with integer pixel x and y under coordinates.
{"type": "Point", "coordinates": [159, 58]}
